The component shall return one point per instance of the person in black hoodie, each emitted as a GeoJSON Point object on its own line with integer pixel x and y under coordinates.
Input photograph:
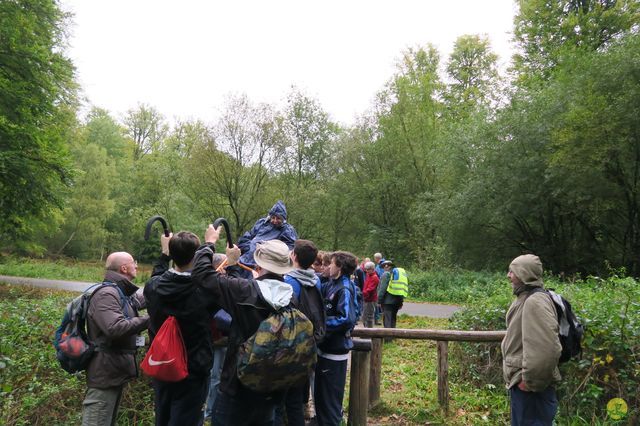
{"type": "Point", "coordinates": [171, 292]}
{"type": "Point", "coordinates": [248, 302]}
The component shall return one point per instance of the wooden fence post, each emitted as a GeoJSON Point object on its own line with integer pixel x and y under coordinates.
{"type": "Point", "coordinates": [359, 382]}
{"type": "Point", "coordinates": [376, 372]}
{"type": "Point", "coordinates": [443, 375]}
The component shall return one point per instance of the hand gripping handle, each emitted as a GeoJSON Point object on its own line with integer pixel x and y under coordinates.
{"type": "Point", "coordinates": [223, 221]}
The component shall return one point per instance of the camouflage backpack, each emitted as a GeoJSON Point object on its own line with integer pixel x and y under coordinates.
{"type": "Point", "coordinates": [280, 354]}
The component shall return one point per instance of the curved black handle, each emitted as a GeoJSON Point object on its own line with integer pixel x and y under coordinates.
{"type": "Point", "coordinates": [150, 223]}
{"type": "Point", "coordinates": [223, 221]}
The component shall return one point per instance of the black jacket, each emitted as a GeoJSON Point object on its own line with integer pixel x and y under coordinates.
{"type": "Point", "coordinates": [242, 299]}
{"type": "Point", "coordinates": [173, 293]}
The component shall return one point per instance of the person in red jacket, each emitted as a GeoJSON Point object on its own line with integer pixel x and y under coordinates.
{"type": "Point", "coordinates": [370, 294]}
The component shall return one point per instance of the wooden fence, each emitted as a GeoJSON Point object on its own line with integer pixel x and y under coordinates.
{"type": "Point", "coordinates": [366, 363]}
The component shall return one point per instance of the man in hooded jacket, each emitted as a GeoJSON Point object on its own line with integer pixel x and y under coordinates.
{"type": "Point", "coordinates": [531, 347]}
{"type": "Point", "coordinates": [171, 292]}
{"type": "Point", "coordinates": [248, 302]}
{"type": "Point", "coordinates": [272, 227]}
{"type": "Point", "coordinates": [113, 324]}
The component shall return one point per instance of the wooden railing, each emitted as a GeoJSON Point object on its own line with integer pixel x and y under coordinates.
{"type": "Point", "coordinates": [366, 363]}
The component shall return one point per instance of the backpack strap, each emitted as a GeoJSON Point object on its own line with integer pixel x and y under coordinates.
{"type": "Point", "coordinates": [123, 304]}
{"type": "Point", "coordinates": [101, 347]}
{"type": "Point", "coordinates": [559, 308]}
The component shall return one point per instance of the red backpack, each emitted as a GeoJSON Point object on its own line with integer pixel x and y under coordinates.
{"type": "Point", "coordinates": [166, 359]}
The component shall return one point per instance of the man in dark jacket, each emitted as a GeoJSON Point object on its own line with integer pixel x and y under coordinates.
{"type": "Point", "coordinates": [272, 227]}
{"type": "Point", "coordinates": [171, 292]}
{"type": "Point", "coordinates": [113, 325]}
{"type": "Point", "coordinates": [248, 302]}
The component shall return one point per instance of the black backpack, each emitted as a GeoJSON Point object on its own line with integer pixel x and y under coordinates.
{"type": "Point", "coordinates": [311, 304]}
{"type": "Point", "coordinates": [74, 350]}
{"type": "Point", "coordinates": [571, 330]}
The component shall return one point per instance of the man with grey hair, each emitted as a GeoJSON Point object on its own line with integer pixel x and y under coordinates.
{"type": "Point", "coordinates": [113, 325]}
{"type": "Point", "coordinates": [531, 348]}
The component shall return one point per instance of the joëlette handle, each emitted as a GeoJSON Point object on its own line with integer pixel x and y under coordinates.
{"type": "Point", "coordinates": [163, 222]}
{"type": "Point", "coordinates": [223, 221]}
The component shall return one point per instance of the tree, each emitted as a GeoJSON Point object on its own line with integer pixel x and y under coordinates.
{"type": "Point", "coordinates": [309, 131]}
{"type": "Point", "coordinates": [37, 111]}
{"type": "Point", "coordinates": [544, 30]}
{"type": "Point", "coordinates": [102, 130]}
{"type": "Point", "coordinates": [146, 127]}
{"type": "Point", "coordinates": [228, 173]}
{"type": "Point", "coordinates": [473, 72]}
{"type": "Point", "coordinates": [89, 205]}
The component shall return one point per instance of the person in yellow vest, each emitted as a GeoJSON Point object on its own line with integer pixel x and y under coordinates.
{"type": "Point", "coordinates": [394, 287]}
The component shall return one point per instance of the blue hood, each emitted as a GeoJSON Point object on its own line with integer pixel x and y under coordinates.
{"type": "Point", "coordinates": [263, 230]}
{"type": "Point", "coordinates": [279, 209]}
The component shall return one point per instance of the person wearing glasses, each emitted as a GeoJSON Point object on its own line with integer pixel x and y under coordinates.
{"type": "Point", "coordinates": [114, 325]}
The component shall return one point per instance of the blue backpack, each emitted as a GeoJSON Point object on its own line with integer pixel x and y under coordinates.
{"type": "Point", "coordinates": [74, 349]}
{"type": "Point", "coordinates": [358, 299]}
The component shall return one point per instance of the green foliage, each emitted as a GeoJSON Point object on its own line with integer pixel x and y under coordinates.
{"type": "Point", "coordinates": [546, 30]}
{"type": "Point", "coordinates": [609, 365]}
{"type": "Point", "coordinates": [473, 71]}
{"type": "Point", "coordinates": [456, 286]}
{"type": "Point", "coordinates": [33, 387]}
{"type": "Point", "coordinates": [36, 112]}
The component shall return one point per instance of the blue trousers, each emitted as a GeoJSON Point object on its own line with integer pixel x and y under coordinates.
{"type": "Point", "coordinates": [330, 379]}
{"type": "Point", "coordinates": [218, 360]}
{"type": "Point", "coordinates": [533, 408]}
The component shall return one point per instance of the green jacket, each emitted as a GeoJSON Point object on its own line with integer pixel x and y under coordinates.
{"type": "Point", "coordinates": [531, 348]}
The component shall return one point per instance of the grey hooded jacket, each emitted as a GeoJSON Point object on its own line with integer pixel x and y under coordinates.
{"type": "Point", "coordinates": [531, 348]}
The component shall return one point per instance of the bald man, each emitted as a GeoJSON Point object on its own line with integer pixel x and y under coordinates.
{"type": "Point", "coordinates": [114, 325]}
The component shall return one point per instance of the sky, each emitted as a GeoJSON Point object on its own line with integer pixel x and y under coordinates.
{"type": "Point", "coordinates": [185, 57]}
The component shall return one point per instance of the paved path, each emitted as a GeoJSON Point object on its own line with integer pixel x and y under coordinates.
{"type": "Point", "coordinates": [428, 310]}
{"type": "Point", "coordinates": [412, 309]}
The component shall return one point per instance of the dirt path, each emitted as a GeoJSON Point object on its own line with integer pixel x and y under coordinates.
{"type": "Point", "coordinates": [409, 308]}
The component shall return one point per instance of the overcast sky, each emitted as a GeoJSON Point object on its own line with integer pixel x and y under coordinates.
{"type": "Point", "coordinates": [183, 57]}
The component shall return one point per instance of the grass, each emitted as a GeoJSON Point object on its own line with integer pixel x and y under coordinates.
{"type": "Point", "coordinates": [409, 394]}
{"type": "Point", "coordinates": [36, 391]}
{"type": "Point", "coordinates": [63, 269]}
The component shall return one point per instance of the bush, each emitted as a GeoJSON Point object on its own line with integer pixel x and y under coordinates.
{"type": "Point", "coordinates": [609, 366]}
{"type": "Point", "coordinates": [33, 387]}
{"type": "Point", "coordinates": [455, 286]}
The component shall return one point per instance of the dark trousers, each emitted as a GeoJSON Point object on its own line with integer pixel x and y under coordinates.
{"type": "Point", "coordinates": [180, 403]}
{"type": "Point", "coordinates": [390, 313]}
{"type": "Point", "coordinates": [292, 407]}
{"type": "Point", "coordinates": [533, 408]}
{"type": "Point", "coordinates": [329, 390]}
{"type": "Point", "coordinates": [244, 409]}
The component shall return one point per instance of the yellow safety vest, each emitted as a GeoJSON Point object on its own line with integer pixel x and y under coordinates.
{"type": "Point", "coordinates": [399, 287]}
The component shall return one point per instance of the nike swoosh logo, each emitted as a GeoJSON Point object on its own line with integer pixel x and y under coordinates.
{"type": "Point", "coordinates": [154, 362]}
{"type": "Point", "coordinates": [323, 371]}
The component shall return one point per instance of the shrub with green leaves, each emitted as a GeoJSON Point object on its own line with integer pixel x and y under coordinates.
{"type": "Point", "coordinates": [33, 387]}
{"type": "Point", "coordinates": [610, 363]}
{"type": "Point", "coordinates": [454, 286]}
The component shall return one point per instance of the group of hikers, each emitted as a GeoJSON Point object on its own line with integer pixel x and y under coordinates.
{"type": "Point", "coordinates": [221, 301]}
